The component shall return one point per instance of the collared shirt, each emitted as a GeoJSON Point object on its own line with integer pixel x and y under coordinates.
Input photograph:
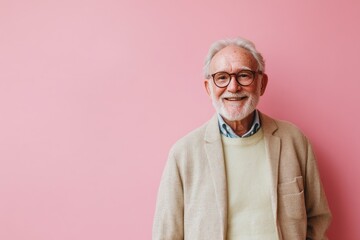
{"type": "Point", "coordinates": [228, 132]}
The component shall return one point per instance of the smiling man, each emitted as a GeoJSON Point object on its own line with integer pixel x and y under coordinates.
{"type": "Point", "coordinates": [242, 175]}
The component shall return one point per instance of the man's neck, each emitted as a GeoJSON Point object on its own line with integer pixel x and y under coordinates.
{"type": "Point", "coordinates": [242, 126]}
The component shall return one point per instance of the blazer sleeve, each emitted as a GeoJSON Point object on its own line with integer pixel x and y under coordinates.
{"type": "Point", "coordinates": [318, 212]}
{"type": "Point", "coordinates": [169, 214]}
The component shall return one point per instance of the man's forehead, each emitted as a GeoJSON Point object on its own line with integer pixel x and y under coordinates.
{"type": "Point", "coordinates": [233, 55]}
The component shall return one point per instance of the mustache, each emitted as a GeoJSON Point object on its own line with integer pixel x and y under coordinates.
{"type": "Point", "coordinates": [234, 95]}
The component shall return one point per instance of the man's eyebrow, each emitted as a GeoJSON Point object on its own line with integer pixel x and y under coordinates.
{"type": "Point", "coordinates": [246, 68]}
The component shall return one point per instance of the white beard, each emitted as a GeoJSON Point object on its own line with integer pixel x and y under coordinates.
{"type": "Point", "coordinates": [238, 113]}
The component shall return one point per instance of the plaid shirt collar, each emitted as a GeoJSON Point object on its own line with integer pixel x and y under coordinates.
{"type": "Point", "coordinates": [228, 132]}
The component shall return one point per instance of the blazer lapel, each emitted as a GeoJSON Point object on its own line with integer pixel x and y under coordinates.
{"type": "Point", "coordinates": [215, 156]}
{"type": "Point", "coordinates": [272, 146]}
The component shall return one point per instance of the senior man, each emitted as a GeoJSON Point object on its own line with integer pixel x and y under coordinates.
{"type": "Point", "coordinates": [243, 174]}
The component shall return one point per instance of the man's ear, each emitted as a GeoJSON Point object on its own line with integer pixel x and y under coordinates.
{"type": "Point", "coordinates": [264, 81]}
{"type": "Point", "coordinates": [207, 87]}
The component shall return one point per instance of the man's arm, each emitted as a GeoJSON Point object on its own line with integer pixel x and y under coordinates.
{"type": "Point", "coordinates": [318, 212]}
{"type": "Point", "coordinates": [169, 213]}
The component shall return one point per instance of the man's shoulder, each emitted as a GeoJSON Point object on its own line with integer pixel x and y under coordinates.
{"type": "Point", "coordinates": [193, 136]}
{"type": "Point", "coordinates": [282, 128]}
{"type": "Point", "coordinates": [286, 127]}
{"type": "Point", "coordinates": [192, 140]}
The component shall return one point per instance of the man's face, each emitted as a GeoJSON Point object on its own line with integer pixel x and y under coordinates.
{"type": "Point", "coordinates": [235, 102]}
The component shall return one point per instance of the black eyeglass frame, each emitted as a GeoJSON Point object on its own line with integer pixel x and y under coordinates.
{"type": "Point", "coordinates": [236, 77]}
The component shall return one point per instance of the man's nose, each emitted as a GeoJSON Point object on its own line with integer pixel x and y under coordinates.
{"type": "Point", "coordinates": [233, 86]}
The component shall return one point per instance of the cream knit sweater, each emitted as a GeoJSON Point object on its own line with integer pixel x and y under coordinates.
{"type": "Point", "coordinates": [248, 177]}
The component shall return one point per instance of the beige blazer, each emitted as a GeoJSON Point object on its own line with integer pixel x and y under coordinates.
{"type": "Point", "coordinates": [192, 197]}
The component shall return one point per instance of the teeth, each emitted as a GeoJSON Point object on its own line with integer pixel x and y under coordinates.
{"type": "Point", "coordinates": [234, 99]}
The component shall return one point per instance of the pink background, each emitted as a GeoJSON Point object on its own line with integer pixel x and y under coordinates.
{"type": "Point", "coordinates": [94, 93]}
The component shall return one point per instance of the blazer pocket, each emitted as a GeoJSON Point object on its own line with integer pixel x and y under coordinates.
{"type": "Point", "coordinates": [291, 199]}
{"type": "Point", "coordinates": [294, 205]}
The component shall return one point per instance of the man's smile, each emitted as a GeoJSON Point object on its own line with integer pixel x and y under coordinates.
{"type": "Point", "coordinates": [235, 98]}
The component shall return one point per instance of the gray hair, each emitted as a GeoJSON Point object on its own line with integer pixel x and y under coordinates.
{"type": "Point", "coordinates": [240, 42]}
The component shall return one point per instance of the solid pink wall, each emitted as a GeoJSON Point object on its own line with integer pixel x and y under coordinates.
{"type": "Point", "coordinates": [94, 93]}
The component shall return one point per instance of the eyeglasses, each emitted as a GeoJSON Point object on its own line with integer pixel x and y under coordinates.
{"type": "Point", "coordinates": [243, 78]}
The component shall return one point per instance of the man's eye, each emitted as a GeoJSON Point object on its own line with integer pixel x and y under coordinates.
{"type": "Point", "coordinates": [244, 75]}
{"type": "Point", "coordinates": [222, 77]}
